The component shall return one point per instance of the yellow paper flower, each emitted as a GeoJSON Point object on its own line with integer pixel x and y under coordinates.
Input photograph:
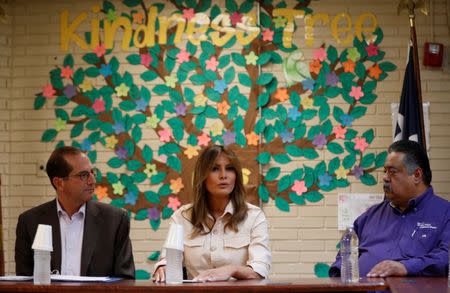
{"type": "Point", "coordinates": [307, 103]}
{"type": "Point", "coordinates": [200, 100]}
{"type": "Point", "coordinates": [245, 175]}
{"type": "Point", "coordinates": [86, 86]}
{"type": "Point", "coordinates": [176, 185]}
{"type": "Point", "coordinates": [251, 58]}
{"type": "Point", "coordinates": [171, 80]}
{"type": "Point", "coordinates": [216, 129]}
{"type": "Point", "coordinates": [118, 188]}
{"type": "Point", "coordinates": [60, 124]}
{"type": "Point", "coordinates": [191, 151]}
{"type": "Point", "coordinates": [150, 170]}
{"type": "Point", "coordinates": [122, 90]}
{"type": "Point", "coordinates": [111, 142]}
{"type": "Point", "coordinates": [341, 173]}
{"type": "Point", "coordinates": [152, 121]}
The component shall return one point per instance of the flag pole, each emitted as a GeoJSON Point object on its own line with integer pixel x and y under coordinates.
{"type": "Point", "coordinates": [413, 38]}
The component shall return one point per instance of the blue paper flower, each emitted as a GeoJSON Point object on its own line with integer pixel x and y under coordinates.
{"type": "Point", "coordinates": [220, 86]}
{"type": "Point", "coordinates": [286, 136]}
{"type": "Point", "coordinates": [346, 120]}
{"type": "Point", "coordinates": [130, 198]}
{"type": "Point", "coordinates": [118, 127]}
{"type": "Point", "coordinates": [121, 153]}
{"type": "Point", "coordinates": [141, 105]}
{"type": "Point", "coordinates": [293, 114]}
{"type": "Point", "coordinates": [86, 145]}
{"type": "Point", "coordinates": [325, 179]}
{"type": "Point", "coordinates": [105, 70]}
{"type": "Point", "coordinates": [308, 84]}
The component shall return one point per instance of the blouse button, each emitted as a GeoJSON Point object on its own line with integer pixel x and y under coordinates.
{"type": "Point", "coordinates": [213, 248]}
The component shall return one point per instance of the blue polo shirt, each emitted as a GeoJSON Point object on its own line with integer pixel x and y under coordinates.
{"type": "Point", "coordinates": [417, 237]}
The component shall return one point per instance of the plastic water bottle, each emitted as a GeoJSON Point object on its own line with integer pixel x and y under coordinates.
{"type": "Point", "coordinates": [349, 256]}
{"type": "Point", "coordinates": [174, 247]}
{"type": "Point", "coordinates": [174, 266]}
{"type": "Point", "coordinates": [41, 270]}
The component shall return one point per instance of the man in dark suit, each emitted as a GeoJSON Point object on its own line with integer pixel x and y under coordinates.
{"type": "Point", "coordinates": [89, 238]}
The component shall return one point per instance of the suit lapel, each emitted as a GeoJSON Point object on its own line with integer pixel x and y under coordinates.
{"type": "Point", "coordinates": [92, 224]}
{"type": "Point", "coordinates": [50, 217]}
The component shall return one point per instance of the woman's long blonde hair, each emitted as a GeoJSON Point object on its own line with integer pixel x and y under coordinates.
{"type": "Point", "coordinates": [200, 209]}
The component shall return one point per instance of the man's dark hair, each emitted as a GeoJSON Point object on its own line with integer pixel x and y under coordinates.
{"type": "Point", "coordinates": [57, 166]}
{"type": "Point", "coordinates": [415, 157]}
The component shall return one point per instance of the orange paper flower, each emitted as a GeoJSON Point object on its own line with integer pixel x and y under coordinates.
{"type": "Point", "coordinates": [375, 71]}
{"type": "Point", "coordinates": [281, 95]}
{"type": "Point", "coordinates": [101, 192]}
{"type": "Point", "coordinates": [349, 66]}
{"type": "Point", "coordinates": [252, 138]}
{"type": "Point", "coordinates": [315, 66]}
{"type": "Point", "coordinates": [223, 107]}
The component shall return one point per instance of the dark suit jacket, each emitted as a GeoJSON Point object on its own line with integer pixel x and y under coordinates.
{"type": "Point", "coordinates": [106, 249]}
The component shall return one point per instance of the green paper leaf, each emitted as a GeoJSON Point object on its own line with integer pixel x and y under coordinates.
{"type": "Point", "coordinates": [49, 135]}
{"type": "Point", "coordinates": [133, 165]}
{"type": "Point", "coordinates": [368, 179]}
{"type": "Point", "coordinates": [76, 130]}
{"type": "Point", "coordinates": [141, 215]}
{"type": "Point", "coordinates": [313, 196]}
{"type": "Point", "coordinates": [282, 158]}
{"type": "Point", "coordinates": [149, 75]}
{"type": "Point", "coordinates": [155, 224]}
{"type": "Point", "coordinates": [283, 183]}
{"type": "Point", "coordinates": [380, 159]}
{"type": "Point", "coordinates": [264, 78]}
{"type": "Point", "coordinates": [158, 178]}
{"type": "Point", "coordinates": [61, 113]}
{"type": "Point", "coordinates": [263, 158]}
{"type": "Point", "coordinates": [282, 204]}
{"type": "Point", "coordinates": [134, 59]}
{"type": "Point", "coordinates": [272, 174]}
{"type": "Point", "coordinates": [367, 161]}
{"type": "Point", "coordinates": [68, 60]}
{"type": "Point", "coordinates": [39, 102]}
{"type": "Point", "coordinates": [310, 153]}
{"type": "Point", "coordinates": [142, 274]}
{"type": "Point", "coordinates": [321, 270]}
{"type": "Point", "coordinates": [166, 212]}
{"type": "Point", "coordinates": [152, 197]}
{"type": "Point", "coordinates": [263, 193]}
{"type": "Point", "coordinates": [244, 79]}
{"type": "Point", "coordinates": [154, 256]}
{"type": "Point", "coordinates": [335, 148]}
{"type": "Point", "coordinates": [299, 200]}
{"type": "Point", "coordinates": [115, 163]}
{"type": "Point", "coordinates": [294, 150]}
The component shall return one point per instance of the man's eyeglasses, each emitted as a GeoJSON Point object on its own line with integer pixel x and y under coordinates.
{"type": "Point", "coordinates": [84, 175]}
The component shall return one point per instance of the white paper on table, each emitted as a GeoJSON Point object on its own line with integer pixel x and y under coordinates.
{"type": "Point", "coordinates": [68, 278]}
{"type": "Point", "coordinates": [351, 205]}
{"type": "Point", "coordinates": [16, 278]}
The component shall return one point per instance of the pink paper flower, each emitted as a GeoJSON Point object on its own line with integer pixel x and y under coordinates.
{"type": "Point", "coordinates": [98, 106]}
{"type": "Point", "coordinates": [165, 135]}
{"type": "Point", "coordinates": [146, 59]}
{"type": "Point", "coordinates": [204, 139]}
{"type": "Point", "coordinates": [360, 144]}
{"type": "Point", "coordinates": [100, 50]}
{"type": "Point", "coordinates": [267, 35]}
{"type": "Point", "coordinates": [372, 50]}
{"type": "Point", "coordinates": [48, 91]}
{"type": "Point", "coordinates": [66, 72]}
{"type": "Point", "coordinates": [188, 13]}
{"type": "Point", "coordinates": [339, 131]}
{"type": "Point", "coordinates": [235, 18]}
{"type": "Point", "coordinates": [183, 56]}
{"type": "Point", "coordinates": [212, 63]}
{"type": "Point", "coordinates": [320, 54]}
{"type": "Point", "coordinates": [174, 203]}
{"type": "Point", "coordinates": [299, 187]}
{"type": "Point", "coordinates": [356, 92]}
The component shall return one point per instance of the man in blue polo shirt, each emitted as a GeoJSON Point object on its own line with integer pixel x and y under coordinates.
{"type": "Point", "coordinates": [409, 232]}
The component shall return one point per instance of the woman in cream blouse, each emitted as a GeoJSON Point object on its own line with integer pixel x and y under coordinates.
{"type": "Point", "coordinates": [224, 237]}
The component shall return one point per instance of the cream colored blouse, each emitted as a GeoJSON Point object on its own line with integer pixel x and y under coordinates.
{"type": "Point", "coordinates": [249, 246]}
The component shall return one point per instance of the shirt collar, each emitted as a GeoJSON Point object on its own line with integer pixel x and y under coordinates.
{"type": "Point", "coordinates": [60, 210]}
{"type": "Point", "coordinates": [415, 203]}
{"type": "Point", "coordinates": [229, 209]}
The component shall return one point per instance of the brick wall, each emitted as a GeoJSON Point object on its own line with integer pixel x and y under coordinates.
{"type": "Point", "coordinates": [299, 239]}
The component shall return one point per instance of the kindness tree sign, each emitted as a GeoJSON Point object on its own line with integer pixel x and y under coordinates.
{"type": "Point", "coordinates": [195, 73]}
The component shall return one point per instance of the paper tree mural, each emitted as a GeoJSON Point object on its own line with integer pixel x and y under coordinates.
{"type": "Point", "coordinates": [190, 94]}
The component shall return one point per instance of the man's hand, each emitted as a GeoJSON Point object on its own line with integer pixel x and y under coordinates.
{"type": "Point", "coordinates": [388, 268]}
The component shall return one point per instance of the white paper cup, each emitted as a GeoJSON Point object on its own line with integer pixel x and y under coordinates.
{"type": "Point", "coordinates": [43, 238]}
{"type": "Point", "coordinates": [175, 237]}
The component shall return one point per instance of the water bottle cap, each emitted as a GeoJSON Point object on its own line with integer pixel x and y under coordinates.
{"type": "Point", "coordinates": [175, 237]}
{"type": "Point", "coordinates": [43, 238]}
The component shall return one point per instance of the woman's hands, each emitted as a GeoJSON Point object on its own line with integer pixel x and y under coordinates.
{"type": "Point", "coordinates": [160, 274]}
{"type": "Point", "coordinates": [226, 272]}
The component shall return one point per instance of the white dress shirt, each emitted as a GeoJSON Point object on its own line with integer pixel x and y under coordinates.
{"type": "Point", "coordinates": [71, 239]}
{"type": "Point", "coordinates": [249, 246]}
